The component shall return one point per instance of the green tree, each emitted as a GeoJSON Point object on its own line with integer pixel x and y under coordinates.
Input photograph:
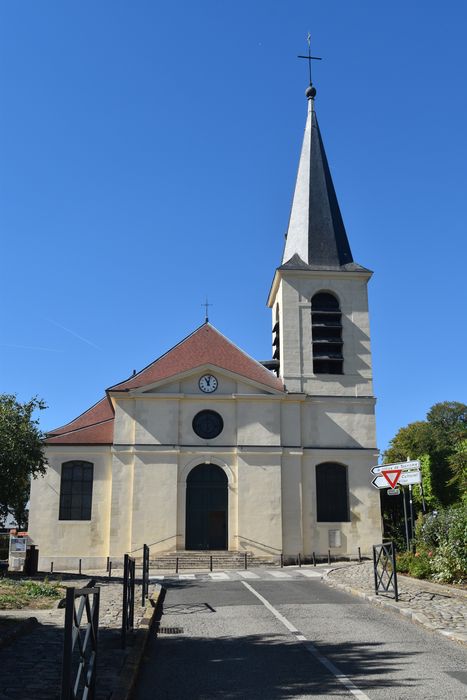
{"type": "Point", "coordinates": [441, 438]}
{"type": "Point", "coordinates": [21, 453]}
{"type": "Point", "coordinates": [458, 466]}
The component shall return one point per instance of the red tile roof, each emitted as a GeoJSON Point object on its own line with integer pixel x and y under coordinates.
{"type": "Point", "coordinates": [99, 434]}
{"type": "Point", "coordinates": [102, 410]}
{"type": "Point", "coordinates": [205, 346]}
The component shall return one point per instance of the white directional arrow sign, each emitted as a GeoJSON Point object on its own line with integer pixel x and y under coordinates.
{"type": "Point", "coordinates": [379, 482]}
{"type": "Point", "coordinates": [414, 477]}
{"type": "Point", "coordinates": [403, 466]}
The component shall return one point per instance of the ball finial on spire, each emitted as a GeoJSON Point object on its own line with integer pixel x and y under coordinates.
{"type": "Point", "coordinates": [310, 92]}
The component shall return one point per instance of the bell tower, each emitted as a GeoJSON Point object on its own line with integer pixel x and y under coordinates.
{"type": "Point", "coordinates": [318, 298]}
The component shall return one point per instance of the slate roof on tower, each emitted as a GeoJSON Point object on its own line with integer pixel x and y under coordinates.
{"type": "Point", "coordinates": [205, 346]}
{"type": "Point", "coordinates": [316, 237]}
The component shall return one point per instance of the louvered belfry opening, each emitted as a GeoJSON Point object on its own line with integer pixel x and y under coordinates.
{"type": "Point", "coordinates": [276, 339]}
{"type": "Point", "coordinates": [326, 323]}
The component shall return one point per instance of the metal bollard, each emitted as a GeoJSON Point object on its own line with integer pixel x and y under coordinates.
{"type": "Point", "coordinates": [80, 567]}
{"type": "Point", "coordinates": [246, 561]}
{"type": "Point", "coordinates": [110, 569]}
{"type": "Point", "coordinates": [282, 560]}
{"type": "Point", "coordinates": [299, 560]}
{"type": "Point", "coordinates": [107, 565]}
{"type": "Point", "coordinates": [176, 565]}
{"type": "Point", "coordinates": [314, 559]}
{"type": "Point", "coordinates": [329, 556]}
{"type": "Point", "coordinates": [210, 562]}
{"type": "Point", "coordinates": [359, 556]}
{"type": "Point", "coordinates": [51, 567]}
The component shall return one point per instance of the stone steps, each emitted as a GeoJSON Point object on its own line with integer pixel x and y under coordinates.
{"type": "Point", "coordinates": [202, 560]}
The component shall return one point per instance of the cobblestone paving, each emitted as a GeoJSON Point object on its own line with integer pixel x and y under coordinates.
{"type": "Point", "coordinates": [444, 607]}
{"type": "Point", "coordinates": [31, 666]}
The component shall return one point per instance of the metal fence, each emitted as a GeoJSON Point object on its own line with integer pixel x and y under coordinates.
{"type": "Point", "coordinates": [385, 571]}
{"type": "Point", "coordinates": [145, 578]}
{"type": "Point", "coordinates": [80, 644]}
{"type": "Point", "coordinates": [128, 606]}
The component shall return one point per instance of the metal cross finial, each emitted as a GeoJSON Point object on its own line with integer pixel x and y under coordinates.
{"type": "Point", "coordinates": [310, 58]}
{"type": "Point", "coordinates": [206, 305]}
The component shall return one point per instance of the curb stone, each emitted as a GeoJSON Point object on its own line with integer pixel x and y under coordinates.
{"type": "Point", "coordinates": [130, 669]}
{"type": "Point", "coordinates": [414, 616]}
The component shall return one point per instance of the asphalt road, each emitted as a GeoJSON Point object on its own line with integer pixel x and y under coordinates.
{"type": "Point", "coordinates": [295, 638]}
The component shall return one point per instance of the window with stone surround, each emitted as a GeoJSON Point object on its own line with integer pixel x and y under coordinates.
{"type": "Point", "coordinates": [76, 490]}
{"type": "Point", "coordinates": [332, 493]}
{"type": "Point", "coordinates": [326, 325]}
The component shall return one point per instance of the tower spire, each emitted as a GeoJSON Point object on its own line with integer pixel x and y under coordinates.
{"type": "Point", "coordinates": [316, 234]}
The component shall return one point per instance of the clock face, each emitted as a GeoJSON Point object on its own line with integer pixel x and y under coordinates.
{"type": "Point", "coordinates": [208, 383]}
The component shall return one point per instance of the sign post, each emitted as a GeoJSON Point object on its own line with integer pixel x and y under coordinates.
{"type": "Point", "coordinates": [400, 474]}
{"type": "Point", "coordinates": [406, 521]}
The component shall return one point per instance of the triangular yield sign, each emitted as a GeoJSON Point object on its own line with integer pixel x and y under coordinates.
{"type": "Point", "coordinates": [392, 476]}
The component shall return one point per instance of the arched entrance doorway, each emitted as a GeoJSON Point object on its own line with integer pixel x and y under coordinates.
{"type": "Point", "coordinates": [206, 508]}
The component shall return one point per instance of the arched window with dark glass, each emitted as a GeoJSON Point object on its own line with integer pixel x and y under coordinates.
{"type": "Point", "coordinates": [76, 490]}
{"type": "Point", "coordinates": [326, 325]}
{"type": "Point", "coordinates": [332, 493]}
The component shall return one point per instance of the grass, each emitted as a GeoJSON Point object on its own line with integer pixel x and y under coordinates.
{"type": "Point", "coordinates": [18, 595]}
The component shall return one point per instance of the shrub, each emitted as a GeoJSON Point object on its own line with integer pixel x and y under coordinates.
{"type": "Point", "coordinates": [417, 565]}
{"type": "Point", "coordinates": [403, 561]}
{"type": "Point", "coordinates": [445, 533]}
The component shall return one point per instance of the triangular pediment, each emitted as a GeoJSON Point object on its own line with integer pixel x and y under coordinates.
{"type": "Point", "coordinates": [204, 381]}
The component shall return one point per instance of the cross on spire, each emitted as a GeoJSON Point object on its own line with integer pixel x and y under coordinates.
{"type": "Point", "coordinates": [206, 305]}
{"type": "Point", "coordinates": [310, 58]}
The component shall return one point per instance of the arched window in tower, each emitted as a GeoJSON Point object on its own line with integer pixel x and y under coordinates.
{"type": "Point", "coordinates": [326, 324]}
{"type": "Point", "coordinates": [332, 493]}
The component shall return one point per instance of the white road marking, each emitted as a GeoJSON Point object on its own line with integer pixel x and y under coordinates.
{"type": "Point", "coordinates": [185, 577]}
{"type": "Point", "coordinates": [310, 574]}
{"type": "Point", "coordinates": [247, 574]}
{"type": "Point", "coordinates": [219, 576]}
{"type": "Point", "coordinates": [341, 677]}
{"type": "Point", "coordinates": [279, 574]}
{"type": "Point", "coordinates": [156, 578]}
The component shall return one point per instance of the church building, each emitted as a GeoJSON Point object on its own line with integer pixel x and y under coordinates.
{"type": "Point", "coordinates": [209, 449]}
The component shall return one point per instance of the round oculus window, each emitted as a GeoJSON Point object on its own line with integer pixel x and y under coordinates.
{"type": "Point", "coordinates": [208, 424]}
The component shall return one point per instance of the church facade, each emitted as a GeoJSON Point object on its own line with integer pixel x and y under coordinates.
{"type": "Point", "coordinates": [209, 449]}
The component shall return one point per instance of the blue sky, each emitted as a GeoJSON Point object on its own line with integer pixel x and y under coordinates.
{"type": "Point", "coordinates": [148, 157]}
